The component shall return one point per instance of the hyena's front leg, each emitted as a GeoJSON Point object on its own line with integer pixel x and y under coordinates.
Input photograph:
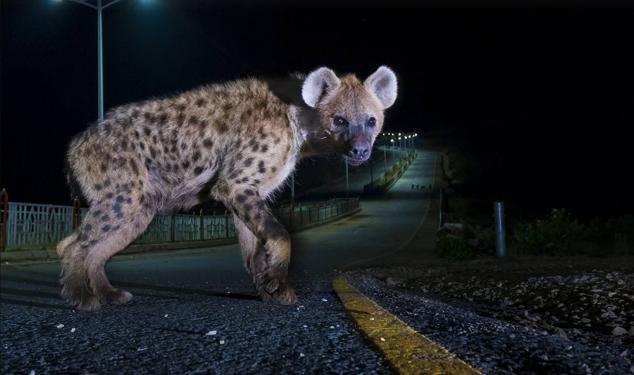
{"type": "Point", "coordinates": [265, 245]}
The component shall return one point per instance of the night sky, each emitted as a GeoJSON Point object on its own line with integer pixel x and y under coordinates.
{"type": "Point", "coordinates": [543, 96]}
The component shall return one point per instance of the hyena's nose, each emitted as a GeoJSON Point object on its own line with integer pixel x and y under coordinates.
{"type": "Point", "coordinates": [360, 151]}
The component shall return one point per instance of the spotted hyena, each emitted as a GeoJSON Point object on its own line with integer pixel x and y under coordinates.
{"type": "Point", "coordinates": [236, 143]}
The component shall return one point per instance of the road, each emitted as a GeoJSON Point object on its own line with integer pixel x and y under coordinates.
{"type": "Point", "coordinates": [195, 311]}
{"type": "Point", "coordinates": [358, 177]}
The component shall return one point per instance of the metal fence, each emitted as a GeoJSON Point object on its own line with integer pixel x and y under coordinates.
{"type": "Point", "coordinates": [297, 216]}
{"type": "Point", "coordinates": [30, 226]}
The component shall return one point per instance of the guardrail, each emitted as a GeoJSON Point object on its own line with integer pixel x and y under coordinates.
{"type": "Point", "coordinates": [37, 226]}
{"type": "Point", "coordinates": [383, 183]}
{"type": "Point", "coordinates": [296, 217]}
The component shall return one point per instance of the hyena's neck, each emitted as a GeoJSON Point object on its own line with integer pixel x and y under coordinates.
{"type": "Point", "coordinates": [309, 134]}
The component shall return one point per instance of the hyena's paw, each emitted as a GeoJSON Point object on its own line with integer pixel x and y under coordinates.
{"type": "Point", "coordinates": [80, 298]}
{"type": "Point", "coordinates": [280, 292]}
{"type": "Point", "coordinates": [117, 297]}
{"type": "Point", "coordinates": [285, 295]}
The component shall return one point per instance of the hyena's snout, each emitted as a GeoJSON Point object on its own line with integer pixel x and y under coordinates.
{"type": "Point", "coordinates": [358, 152]}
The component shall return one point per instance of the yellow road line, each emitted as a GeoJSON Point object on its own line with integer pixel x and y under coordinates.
{"type": "Point", "coordinates": [407, 351]}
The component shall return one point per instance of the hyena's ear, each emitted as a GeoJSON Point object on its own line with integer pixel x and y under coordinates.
{"type": "Point", "coordinates": [319, 83]}
{"type": "Point", "coordinates": [383, 84]}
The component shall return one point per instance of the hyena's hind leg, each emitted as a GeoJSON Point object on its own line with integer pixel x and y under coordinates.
{"type": "Point", "coordinates": [74, 279]}
{"type": "Point", "coordinates": [107, 229]}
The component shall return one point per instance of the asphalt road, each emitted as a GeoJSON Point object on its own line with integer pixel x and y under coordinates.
{"type": "Point", "coordinates": [196, 311]}
{"type": "Point", "coordinates": [358, 177]}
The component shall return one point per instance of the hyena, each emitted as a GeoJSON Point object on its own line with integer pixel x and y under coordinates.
{"type": "Point", "coordinates": [236, 143]}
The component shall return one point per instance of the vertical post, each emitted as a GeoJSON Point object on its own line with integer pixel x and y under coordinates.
{"type": "Point", "coordinates": [76, 213]}
{"type": "Point", "coordinates": [99, 62]}
{"type": "Point", "coordinates": [500, 235]}
{"type": "Point", "coordinates": [347, 185]}
{"type": "Point", "coordinates": [49, 224]}
{"type": "Point", "coordinates": [173, 227]}
{"type": "Point", "coordinates": [226, 224]}
{"type": "Point", "coordinates": [385, 159]}
{"type": "Point", "coordinates": [291, 212]}
{"type": "Point", "coordinates": [201, 216]}
{"type": "Point", "coordinates": [213, 224]}
{"type": "Point", "coordinates": [440, 211]}
{"type": "Point", "coordinates": [301, 217]}
{"type": "Point", "coordinates": [4, 205]}
{"type": "Point", "coordinates": [293, 187]}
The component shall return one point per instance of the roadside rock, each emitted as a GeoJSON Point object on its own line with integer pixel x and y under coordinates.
{"type": "Point", "coordinates": [619, 331]}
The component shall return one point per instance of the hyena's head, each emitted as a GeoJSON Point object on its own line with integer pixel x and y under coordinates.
{"type": "Point", "coordinates": [350, 112]}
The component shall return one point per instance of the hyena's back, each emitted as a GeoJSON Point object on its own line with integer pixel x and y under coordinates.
{"type": "Point", "coordinates": [166, 150]}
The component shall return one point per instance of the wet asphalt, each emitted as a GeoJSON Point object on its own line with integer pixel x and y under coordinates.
{"type": "Point", "coordinates": [196, 311]}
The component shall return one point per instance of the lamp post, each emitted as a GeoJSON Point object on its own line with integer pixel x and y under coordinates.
{"type": "Point", "coordinates": [347, 184]}
{"type": "Point", "coordinates": [371, 173]}
{"type": "Point", "coordinates": [385, 158]}
{"type": "Point", "coordinates": [99, 6]}
{"type": "Point", "coordinates": [293, 188]}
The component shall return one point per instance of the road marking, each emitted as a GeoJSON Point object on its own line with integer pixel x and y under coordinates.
{"type": "Point", "coordinates": [406, 350]}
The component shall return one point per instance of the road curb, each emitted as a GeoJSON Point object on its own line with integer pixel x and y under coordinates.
{"type": "Point", "coordinates": [406, 350]}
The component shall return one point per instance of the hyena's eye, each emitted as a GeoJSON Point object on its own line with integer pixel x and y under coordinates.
{"type": "Point", "coordinates": [340, 121]}
{"type": "Point", "coordinates": [371, 122]}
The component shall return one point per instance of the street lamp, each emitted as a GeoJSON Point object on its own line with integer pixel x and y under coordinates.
{"type": "Point", "coordinates": [347, 182]}
{"type": "Point", "coordinates": [99, 6]}
{"type": "Point", "coordinates": [385, 158]}
{"type": "Point", "coordinates": [293, 188]}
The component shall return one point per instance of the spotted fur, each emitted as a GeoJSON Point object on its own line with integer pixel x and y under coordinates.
{"type": "Point", "coordinates": [235, 142]}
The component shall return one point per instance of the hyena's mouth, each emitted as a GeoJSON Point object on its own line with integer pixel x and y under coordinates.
{"type": "Point", "coordinates": [355, 162]}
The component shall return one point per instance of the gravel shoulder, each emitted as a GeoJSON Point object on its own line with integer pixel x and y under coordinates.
{"type": "Point", "coordinates": [517, 315]}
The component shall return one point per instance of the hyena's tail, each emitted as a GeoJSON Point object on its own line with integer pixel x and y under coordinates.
{"type": "Point", "coordinates": [64, 244]}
